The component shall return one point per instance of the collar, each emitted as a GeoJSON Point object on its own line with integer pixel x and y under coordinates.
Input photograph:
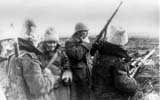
{"type": "Point", "coordinates": [114, 50]}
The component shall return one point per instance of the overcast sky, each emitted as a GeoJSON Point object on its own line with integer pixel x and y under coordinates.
{"type": "Point", "coordinates": [135, 15]}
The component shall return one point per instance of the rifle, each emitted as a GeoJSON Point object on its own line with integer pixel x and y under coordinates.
{"type": "Point", "coordinates": [104, 30]}
{"type": "Point", "coordinates": [16, 48]}
{"type": "Point", "coordinates": [3, 59]}
{"type": "Point", "coordinates": [137, 64]}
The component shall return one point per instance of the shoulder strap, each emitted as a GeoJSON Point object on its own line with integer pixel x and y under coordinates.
{"type": "Point", "coordinates": [9, 67]}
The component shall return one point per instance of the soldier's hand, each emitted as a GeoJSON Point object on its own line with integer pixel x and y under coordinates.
{"type": "Point", "coordinates": [47, 70]}
{"type": "Point", "coordinates": [95, 46]}
{"type": "Point", "coordinates": [67, 77]}
{"type": "Point", "coordinates": [55, 70]}
{"type": "Point", "coordinates": [86, 39]}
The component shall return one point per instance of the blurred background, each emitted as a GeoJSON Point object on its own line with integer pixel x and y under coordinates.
{"type": "Point", "coordinates": [139, 17]}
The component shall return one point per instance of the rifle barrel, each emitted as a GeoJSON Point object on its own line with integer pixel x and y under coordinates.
{"type": "Point", "coordinates": [142, 60]}
{"type": "Point", "coordinates": [108, 22]}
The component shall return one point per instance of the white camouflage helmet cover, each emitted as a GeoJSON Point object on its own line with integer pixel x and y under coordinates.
{"type": "Point", "coordinates": [51, 35]}
{"type": "Point", "coordinates": [117, 35]}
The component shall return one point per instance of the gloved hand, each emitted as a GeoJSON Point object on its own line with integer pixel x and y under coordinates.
{"type": "Point", "coordinates": [67, 77]}
{"type": "Point", "coordinates": [55, 70]}
{"type": "Point", "coordinates": [95, 46]}
{"type": "Point", "coordinates": [97, 43]}
{"type": "Point", "coordinates": [47, 70]}
{"type": "Point", "coordinates": [86, 39]}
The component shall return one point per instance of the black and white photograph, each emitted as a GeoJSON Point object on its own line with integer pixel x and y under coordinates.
{"type": "Point", "coordinates": [79, 50]}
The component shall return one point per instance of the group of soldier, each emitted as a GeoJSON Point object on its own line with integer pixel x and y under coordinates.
{"type": "Point", "coordinates": [80, 71]}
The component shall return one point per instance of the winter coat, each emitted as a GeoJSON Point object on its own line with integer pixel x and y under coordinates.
{"type": "Point", "coordinates": [110, 74]}
{"type": "Point", "coordinates": [58, 67]}
{"type": "Point", "coordinates": [78, 53]}
{"type": "Point", "coordinates": [27, 79]}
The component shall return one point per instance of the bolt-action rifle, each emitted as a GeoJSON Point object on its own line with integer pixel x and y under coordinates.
{"type": "Point", "coordinates": [138, 63]}
{"type": "Point", "coordinates": [16, 48]}
{"type": "Point", "coordinates": [104, 30]}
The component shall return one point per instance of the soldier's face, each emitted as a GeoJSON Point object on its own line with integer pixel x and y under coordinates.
{"type": "Point", "coordinates": [84, 34]}
{"type": "Point", "coordinates": [50, 45]}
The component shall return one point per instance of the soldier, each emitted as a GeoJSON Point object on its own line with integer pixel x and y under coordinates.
{"type": "Point", "coordinates": [29, 31]}
{"type": "Point", "coordinates": [111, 79]}
{"type": "Point", "coordinates": [77, 48]}
{"type": "Point", "coordinates": [28, 79]}
{"type": "Point", "coordinates": [60, 67]}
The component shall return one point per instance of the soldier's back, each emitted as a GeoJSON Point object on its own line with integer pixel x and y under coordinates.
{"type": "Point", "coordinates": [15, 89]}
